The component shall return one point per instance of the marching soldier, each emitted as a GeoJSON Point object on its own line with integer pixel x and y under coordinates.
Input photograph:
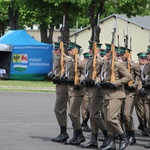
{"type": "Point", "coordinates": [61, 96]}
{"type": "Point", "coordinates": [85, 104]}
{"type": "Point", "coordinates": [145, 90]}
{"type": "Point", "coordinates": [130, 88]}
{"type": "Point", "coordinates": [76, 93]}
{"type": "Point", "coordinates": [95, 99]}
{"type": "Point", "coordinates": [140, 98]}
{"type": "Point", "coordinates": [114, 96]}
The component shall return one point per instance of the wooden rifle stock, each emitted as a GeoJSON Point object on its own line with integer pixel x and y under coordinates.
{"type": "Point", "coordinates": [112, 79]}
{"type": "Point", "coordinates": [129, 65]}
{"type": "Point", "coordinates": [94, 73]}
{"type": "Point", "coordinates": [76, 78]}
{"type": "Point", "coordinates": [62, 58]}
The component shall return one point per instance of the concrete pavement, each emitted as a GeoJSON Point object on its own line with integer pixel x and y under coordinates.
{"type": "Point", "coordinates": [27, 122]}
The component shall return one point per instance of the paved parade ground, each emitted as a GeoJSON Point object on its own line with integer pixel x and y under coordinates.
{"type": "Point", "coordinates": [27, 122]}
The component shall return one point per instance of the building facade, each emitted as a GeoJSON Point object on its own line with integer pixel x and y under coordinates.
{"type": "Point", "coordinates": [137, 28]}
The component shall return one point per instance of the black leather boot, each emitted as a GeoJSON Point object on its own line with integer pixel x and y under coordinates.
{"type": "Point", "coordinates": [131, 137]}
{"type": "Point", "coordinates": [111, 144]}
{"type": "Point", "coordinates": [147, 146]}
{"type": "Point", "coordinates": [73, 138]}
{"type": "Point", "coordinates": [140, 127]}
{"type": "Point", "coordinates": [145, 131]}
{"type": "Point", "coordinates": [86, 128]}
{"type": "Point", "coordinates": [123, 142]}
{"type": "Point", "coordinates": [92, 143]}
{"type": "Point", "coordinates": [63, 135]}
{"type": "Point", "coordinates": [106, 139]}
{"type": "Point", "coordinates": [85, 125]}
{"type": "Point", "coordinates": [79, 137]}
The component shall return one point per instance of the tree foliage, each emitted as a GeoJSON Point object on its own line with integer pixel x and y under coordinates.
{"type": "Point", "coordinates": [17, 14]}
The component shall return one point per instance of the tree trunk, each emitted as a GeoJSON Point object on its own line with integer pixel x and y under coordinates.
{"type": "Point", "coordinates": [51, 31]}
{"type": "Point", "coordinates": [94, 11]}
{"type": "Point", "coordinates": [43, 33]}
{"type": "Point", "coordinates": [2, 29]}
{"type": "Point", "coordinates": [13, 16]}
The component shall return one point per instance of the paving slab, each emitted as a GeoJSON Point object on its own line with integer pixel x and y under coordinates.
{"type": "Point", "coordinates": [28, 122]}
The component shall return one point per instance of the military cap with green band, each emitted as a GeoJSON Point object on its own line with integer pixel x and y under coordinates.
{"type": "Point", "coordinates": [108, 47]}
{"type": "Point", "coordinates": [91, 45]}
{"type": "Point", "coordinates": [57, 45]}
{"type": "Point", "coordinates": [148, 49]}
{"type": "Point", "coordinates": [142, 55]}
{"type": "Point", "coordinates": [121, 51]}
{"type": "Point", "coordinates": [73, 45]}
{"type": "Point", "coordinates": [102, 52]}
{"type": "Point", "coordinates": [86, 55]}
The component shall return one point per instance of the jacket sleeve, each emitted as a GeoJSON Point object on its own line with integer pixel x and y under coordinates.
{"type": "Point", "coordinates": [137, 73]}
{"type": "Point", "coordinates": [125, 75]}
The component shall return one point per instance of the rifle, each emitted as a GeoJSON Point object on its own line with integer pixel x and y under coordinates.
{"type": "Point", "coordinates": [76, 77]}
{"type": "Point", "coordinates": [94, 73]}
{"type": "Point", "coordinates": [128, 55]}
{"type": "Point", "coordinates": [75, 51]}
{"type": "Point", "coordinates": [62, 58]}
{"type": "Point", "coordinates": [62, 50]}
{"type": "Point", "coordinates": [113, 79]}
{"type": "Point", "coordinates": [118, 38]}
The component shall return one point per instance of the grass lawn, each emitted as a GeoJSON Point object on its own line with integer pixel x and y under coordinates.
{"type": "Point", "coordinates": [36, 86]}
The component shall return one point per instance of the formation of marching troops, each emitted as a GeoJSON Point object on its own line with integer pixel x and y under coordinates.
{"type": "Point", "coordinates": [87, 87]}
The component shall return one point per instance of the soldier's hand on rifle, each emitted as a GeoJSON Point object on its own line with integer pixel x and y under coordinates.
{"type": "Point", "coordinates": [56, 79]}
{"type": "Point", "coordinates": [63, 78]}
{"type": "Point", "coordinates": [102, 84]}
{"type": "Point", "coordinates": [131, 88]}
{"type": "Point", "coordinates": [77, 87]}
{"type": "Point", "coordinates": [92, 83]}
{"type": "Point", "coordinates": [112, 86]}
{"type": "Point", "coordinates": [83, 82]}
{"type": "Point", "coordinates": [142, 92]}
{"type": "Point", "coordinates": [98, 84]}
{"type": "Point", "coordinates": [50, 76]}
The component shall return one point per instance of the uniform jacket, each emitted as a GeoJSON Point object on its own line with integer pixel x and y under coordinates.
{"type": "Point", "coordinates": [135, 72]}
{"type": "Point", "coordinates": [56, 70]}
{"type": "Point", "coordinates": [93, 91]}
{"type": "Point", "coordinates": [145, 75]}
{"type": "Point", "coordinates": [70, 72]}
{"type": "Point", "coordinates": [122, 77]}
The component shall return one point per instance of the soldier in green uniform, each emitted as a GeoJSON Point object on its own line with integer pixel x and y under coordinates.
{"type": "Point", "coordinates": [145, 90]}
{"type": "Point", "coordinates": [114, 96]}
{"type": "Point", "coordinates": [61, 96]}
{"type": "Point", "coordinates": [95, 99]}
{"type": "Point", "coordinates": [130, 89]}
{"type": "Point", "coordinates": [140, 98]}
{"type": "Point", "coordinates": [76, 93]}
{"type": "Point", "coordinates": [85, 103]}
{"type": "Point", "coordinates": [147, 102]}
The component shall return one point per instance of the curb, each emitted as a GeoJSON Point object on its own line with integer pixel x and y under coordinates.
{"type": "Point", "coordinates": [28, 88]}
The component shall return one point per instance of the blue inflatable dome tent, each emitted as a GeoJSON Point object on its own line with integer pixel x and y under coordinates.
{"type": "Point", "coordinates": [28, 59]}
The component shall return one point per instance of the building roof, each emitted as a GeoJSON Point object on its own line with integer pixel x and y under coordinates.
{"type": "Point", "coordinates": [143, 22]}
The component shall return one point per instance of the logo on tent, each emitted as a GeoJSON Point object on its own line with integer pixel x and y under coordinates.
{"type": "Point", "coordinates": [20, 62]}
